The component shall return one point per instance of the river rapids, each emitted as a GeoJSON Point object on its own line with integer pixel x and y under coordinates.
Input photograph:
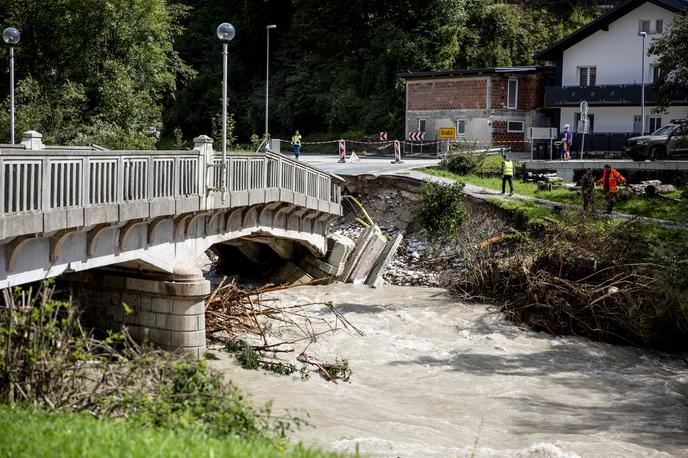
{"type": "Point", "coordinates": [436, 377]}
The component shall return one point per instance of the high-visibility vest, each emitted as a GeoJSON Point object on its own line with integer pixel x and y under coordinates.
{"type": "Point", "coordinates": [508, 168]}
{"type": "Point", "coordinates": [296, 140]}
{"type": "Point", "coordinates": [614, 175]}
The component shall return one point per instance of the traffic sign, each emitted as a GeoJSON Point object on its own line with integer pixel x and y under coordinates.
{"type": "Point", "coordinates": [447, 132]}
{"type": "Point", "coordinates": [584, 108]}
{"type": "Point", "coordinates": [416, 136]}
{"type": "Point", "coordinates": [584, 126]}
{"type": "Point", "coordinates": [383, 136]}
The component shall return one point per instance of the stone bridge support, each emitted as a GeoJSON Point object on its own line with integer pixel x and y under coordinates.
{"type": "Point", "coordinates": [167, 310]}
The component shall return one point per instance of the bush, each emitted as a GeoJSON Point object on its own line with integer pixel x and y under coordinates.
{"type": "Point", "coordinates": [46, 359]}
{"type": "Point", "coordinates": [441, 210]}
{"type": "Point", "coordinates": [463, 162]}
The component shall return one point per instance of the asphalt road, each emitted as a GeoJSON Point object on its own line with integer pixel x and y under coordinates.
{"type": "Point", "coordinates": [366, 166]}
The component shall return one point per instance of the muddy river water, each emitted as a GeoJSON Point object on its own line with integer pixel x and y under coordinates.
{"type": "Point", "coordinates": [436, 377]}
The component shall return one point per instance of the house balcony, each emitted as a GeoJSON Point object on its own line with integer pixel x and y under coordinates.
{"type": "Point", "coordinates": [608, 95]}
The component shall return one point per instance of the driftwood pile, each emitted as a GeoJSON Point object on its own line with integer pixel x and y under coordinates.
{"type": "Point", "coordinates": [260, 328]}
{"type": "Point", "coordinates": [573, 280]}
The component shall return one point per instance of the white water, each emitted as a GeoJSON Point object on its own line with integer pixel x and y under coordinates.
{"type": "Point", "coordinates": [434, 377]}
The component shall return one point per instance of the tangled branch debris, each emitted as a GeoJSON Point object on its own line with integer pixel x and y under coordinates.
{"type": "Point", "coordinates": [256, 329]}
{"type": "Point", "coordinates": [606, 284]}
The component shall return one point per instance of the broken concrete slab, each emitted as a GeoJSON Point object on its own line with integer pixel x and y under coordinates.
{"type": "Point", "coordinates": [375, 246]}
{"type": "Point", "coordinates": [340, 247]}
{"type": "Point", "coordinates": [290, 274]}
{"type": "Point", "coordinates": [359, 250]}
{"type": "Point", "coordinates": [317, 268]}
{"type": "Point", "coordinates": [375, 279]}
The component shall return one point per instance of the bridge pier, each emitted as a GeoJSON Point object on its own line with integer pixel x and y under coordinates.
{"type": "Point", "coordinates": [168, 310]}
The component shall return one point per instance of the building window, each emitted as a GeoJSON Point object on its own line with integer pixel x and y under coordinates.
{"type": "Point", "coordinates": [644, 26]}
{"type": "Point", "coordinates": [512, 95]}
{"type": "Point", "coordinates": [655, 73]}
{"type": "Point", "coordinates": [654, 123]}
{"type": "Point", "coordinates": [421, 125]}
{"type": "Point", "coordinates": [514, 126]}
{"type": "Point", "coordinates": [587, 76]}
{"type": "Point", "coordinates": [659, 26]}
{"type": "Point", "coordinates": [461, 127]}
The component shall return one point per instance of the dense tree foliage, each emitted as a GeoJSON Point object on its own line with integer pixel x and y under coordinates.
{"type": "Point", "coordinates": [93, 71]}
{"type": "Point", "coordinates": [671, 50]}
{"type": "Point", "coordinates": [102, 70]}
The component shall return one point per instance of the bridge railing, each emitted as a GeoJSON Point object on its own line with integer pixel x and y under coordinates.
{"type": "Point", "coordinates": [56, 188]}
{"type": "Point", "coordinates": [271, 172]}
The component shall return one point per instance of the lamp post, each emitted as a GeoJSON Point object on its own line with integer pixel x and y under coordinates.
{"type": "Point", "coordinates": [11, 36]}
{"type": "Point", "coordinates": [225, 32]}
{"type": "Point", "coordinates": [642, 87]}
{"type": "Point", "coordinates": [267, 76]}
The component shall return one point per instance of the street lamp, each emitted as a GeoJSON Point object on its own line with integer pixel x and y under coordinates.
{"type": "Point", "coordinates": [11, 36]}
{"type": "Point", "coordinates": [267, 75]}
{"type": "Point", "coordinates": [642, 85]}
{"type": "Point", "coordinates": [225, 32]}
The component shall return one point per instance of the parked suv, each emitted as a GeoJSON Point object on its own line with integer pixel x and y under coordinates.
{"type": "Point", "coordinates": [668, 142]}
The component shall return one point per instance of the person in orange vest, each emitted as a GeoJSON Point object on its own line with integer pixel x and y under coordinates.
{"type": "Point", "coordinates": [609, 180]}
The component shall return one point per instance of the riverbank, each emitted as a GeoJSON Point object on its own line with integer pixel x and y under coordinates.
{"type": "Point", "coordinates": [435, 377]}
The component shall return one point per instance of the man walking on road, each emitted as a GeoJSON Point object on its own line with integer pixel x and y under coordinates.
{"type": "Point", "coordinates": [296, 144]}
{"type": "Point", "coordinates": [587, 188]}
{"type": "Point", "coordinates": [608, 181]}
{"type": "Point", "coordinates": [507, 174]}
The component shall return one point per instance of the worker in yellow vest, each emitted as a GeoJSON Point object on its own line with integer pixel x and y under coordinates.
{"type": "Point", "coordinates": [296, 144]}
{"type": "Point", "coordinates": [507, 174]}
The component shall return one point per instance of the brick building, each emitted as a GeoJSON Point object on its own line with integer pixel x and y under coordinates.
{"type": "Point", "coordinates": [488, 106]}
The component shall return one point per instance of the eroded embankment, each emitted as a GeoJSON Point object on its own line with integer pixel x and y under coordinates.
{"type": "Point", "coordinates": [570, 273]}
{"type": "Point", "coordinates": [392, 201]}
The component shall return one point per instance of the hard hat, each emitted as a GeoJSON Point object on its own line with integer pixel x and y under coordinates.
{"type": "Point", "coordinates": [566, 126]}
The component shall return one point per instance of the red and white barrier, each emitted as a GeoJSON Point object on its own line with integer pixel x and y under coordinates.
{"type": "Point", "coordinates": [342, 150]}
{"type": "Point", "coordinates": [397, 152]}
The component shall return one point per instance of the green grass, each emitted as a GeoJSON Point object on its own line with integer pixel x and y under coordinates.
{"type": "Point", "coordinates": [559, 194]}
{"type": "Point", "coordinates": [639, 206]}
{"type": "Point", "coordinates": [656, 208]}
{"type": "Point", "coordinates": [30, 433]}
{"type": "Point", "coordinates": [532, 214]}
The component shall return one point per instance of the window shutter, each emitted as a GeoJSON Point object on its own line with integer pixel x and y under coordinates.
{"type": "Point", "coordinates": [593, 76]}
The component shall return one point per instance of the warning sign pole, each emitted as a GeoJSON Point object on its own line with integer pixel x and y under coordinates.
{"type": "Point", "coordinates": [342, 150]}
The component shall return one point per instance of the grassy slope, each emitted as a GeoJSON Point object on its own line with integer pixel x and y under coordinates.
{"type": "Point", "coordinates": [29, 433]}
{"type": "Point", "coordinates": [655, 208]}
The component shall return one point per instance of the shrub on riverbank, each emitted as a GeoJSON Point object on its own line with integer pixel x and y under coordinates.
{"type": "Point", "coordinates": [441, 210]}
{"type": "Point", "coordinates": [618, 282]}
{"type": "Point", "coordinates": [47, 360]}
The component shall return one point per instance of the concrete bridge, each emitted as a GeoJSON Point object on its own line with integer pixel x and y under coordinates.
{"type": "Point", "coordinates": [141, 217]}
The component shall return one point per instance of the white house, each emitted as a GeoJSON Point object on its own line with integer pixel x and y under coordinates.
{"type": "Point", "coordinates": [603, 63]}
